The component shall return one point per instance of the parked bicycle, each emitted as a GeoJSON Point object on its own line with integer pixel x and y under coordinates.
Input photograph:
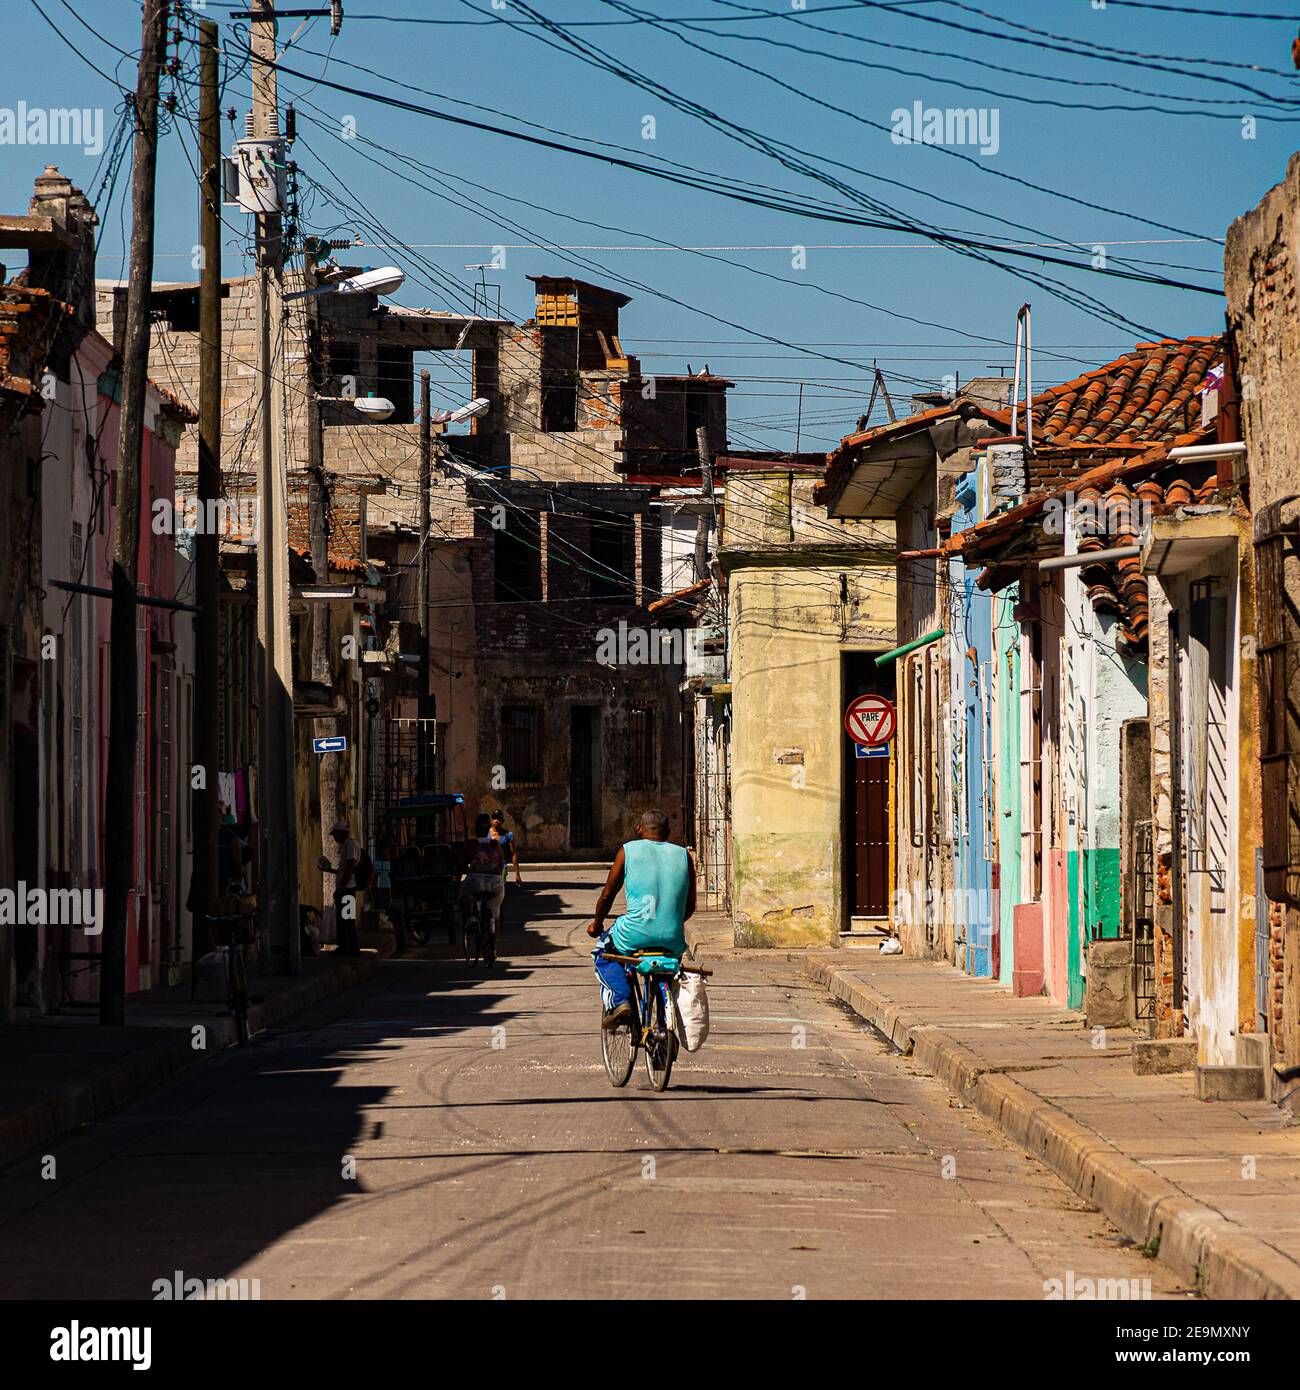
{"type": "Point", "coordinates": [652, 1026]}
{"type": "Point", "coordinates": [232, 932]}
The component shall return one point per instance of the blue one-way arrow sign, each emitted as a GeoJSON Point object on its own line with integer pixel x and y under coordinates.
{"type": "Point", "coordinates": [335, 744]}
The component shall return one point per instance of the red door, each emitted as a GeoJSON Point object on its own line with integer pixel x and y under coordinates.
{"type": "Point", "coordinates": [869, 836]}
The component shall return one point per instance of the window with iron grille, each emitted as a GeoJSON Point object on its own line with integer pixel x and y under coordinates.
{"type": "Point", "coordinates": [641, 769]}
{"type": "Point", "coordinates": [521, 744]}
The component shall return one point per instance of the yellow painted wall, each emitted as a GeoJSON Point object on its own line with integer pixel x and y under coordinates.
{"type": "Point", "coordinates": [788, 629]}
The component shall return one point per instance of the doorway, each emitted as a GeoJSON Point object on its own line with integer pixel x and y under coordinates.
{"type": "Point", "coordinates": [584, 823]}
{"type": "Point", "coordinates": [867, 832]}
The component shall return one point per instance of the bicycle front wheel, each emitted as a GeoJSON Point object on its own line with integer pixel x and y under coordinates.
{"type": "Point", "coordinates": [659, 1049]}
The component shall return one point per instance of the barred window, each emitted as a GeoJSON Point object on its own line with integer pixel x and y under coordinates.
{"type": "Point", "coordinates": [521, 744]}
{"type": "Point", "coordinates": [641, 768]}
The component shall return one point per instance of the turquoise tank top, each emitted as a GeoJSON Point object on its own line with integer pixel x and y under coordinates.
{"type": "Point", "coordinates": [655, 881]}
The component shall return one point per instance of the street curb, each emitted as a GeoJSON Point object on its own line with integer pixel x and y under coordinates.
{"type": "Point", "coordinates": [1198, 1243]}
{"type": "Point", "coordinates": [58, 1114]}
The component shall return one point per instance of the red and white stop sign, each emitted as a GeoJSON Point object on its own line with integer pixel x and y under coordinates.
{"type": "Point", "coordinates": [869, 720]}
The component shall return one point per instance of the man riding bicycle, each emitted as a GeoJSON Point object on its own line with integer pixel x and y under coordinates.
{"type": "Point", "coordinates": [659, 882]}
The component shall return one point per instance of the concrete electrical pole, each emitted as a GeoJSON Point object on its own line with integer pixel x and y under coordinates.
{"type": "Point", "coordinates": [425, 707]}
{"type": "Point", "coordinates": [319, 523]}
{"type": "Point", "coordinates": [278, 868]}
{"type": "Point", "coordinates": [207, 632]}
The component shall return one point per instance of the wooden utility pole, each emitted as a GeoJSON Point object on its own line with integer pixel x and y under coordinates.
{"type": "Point", "coordinates": [207, 581]}
{"type": "Point", "coordinates": [278, 870]}
{"type": "Point", "coordinates": [425, 708]}
{"type": "Point", "coordinates": [123, 703]}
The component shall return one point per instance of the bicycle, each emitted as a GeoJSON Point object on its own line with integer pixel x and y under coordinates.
{"type": "Point", "coordinates": [653, 1025]}
{"type": "Point", "coordinates": [478, 936]}
{"type": "Point", "coordinates": [232, 932]}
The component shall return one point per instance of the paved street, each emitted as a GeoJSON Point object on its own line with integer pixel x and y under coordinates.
{"type": "Point", "coordinates": [492, 1157]}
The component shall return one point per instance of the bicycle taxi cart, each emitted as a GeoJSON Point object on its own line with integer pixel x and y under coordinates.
{"type": "Point", "coordinates": [426, 834]}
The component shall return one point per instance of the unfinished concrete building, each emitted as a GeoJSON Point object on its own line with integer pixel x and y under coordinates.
{"type": "Point", "coordinates": [544, 547]}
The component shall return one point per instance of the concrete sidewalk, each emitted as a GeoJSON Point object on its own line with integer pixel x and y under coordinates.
{"type": "Point", "coordinates": [1213, 1189]}
{"type": "Point", "coordinates": [60, 1071]}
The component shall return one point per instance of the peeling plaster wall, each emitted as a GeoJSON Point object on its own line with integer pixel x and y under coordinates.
{"type": "Point", "coordinates": [1219, 964]}
{"type": "Point", "coordinates": [1261, 275]}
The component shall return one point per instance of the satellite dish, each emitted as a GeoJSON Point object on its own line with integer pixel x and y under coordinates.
{"type": "Point", "coordinates": [374, 407]}
{"type": "Point", "coordinates": [382, 281]}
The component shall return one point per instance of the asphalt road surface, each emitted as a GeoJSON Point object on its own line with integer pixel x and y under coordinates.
{"type": "Point", "coordinates": [443, 1132]}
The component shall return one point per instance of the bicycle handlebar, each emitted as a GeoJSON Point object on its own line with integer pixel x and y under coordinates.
{"type": "Point", "coordinates": [636, 960]}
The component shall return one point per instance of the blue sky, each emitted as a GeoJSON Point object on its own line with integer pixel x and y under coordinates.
{"type": "Point", "coordinates": [830, 309]}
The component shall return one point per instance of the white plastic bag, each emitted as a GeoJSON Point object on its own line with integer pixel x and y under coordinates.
{"type": "Point", "coordinates": [692, 1012]}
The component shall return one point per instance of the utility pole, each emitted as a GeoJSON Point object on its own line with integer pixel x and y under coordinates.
{"type": "Point", "coordinates": [206, 749]}
{"type": "Point", "coordinates": [425, 707]}
{"type": "Point", "coordinates": [278, 875]}
{"type": "Point", "coordinates": [123, 704]}
{"type": "Point", "coordinates": [318, 520]}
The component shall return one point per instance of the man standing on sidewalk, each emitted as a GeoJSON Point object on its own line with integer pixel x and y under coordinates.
{"type": "Point", "coordinates": [347, 889]}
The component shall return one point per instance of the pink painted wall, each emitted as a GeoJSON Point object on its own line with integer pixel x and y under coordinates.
{"type": "Point", "coordinates": [1056, 925]}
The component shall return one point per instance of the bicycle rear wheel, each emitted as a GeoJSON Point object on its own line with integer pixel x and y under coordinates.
{"type": "Point", "coordinates": [469, 936]}
{"type": "Point", "coordinates": [659, 1049]}
{"type": "Point", "coordinates": [237, 992]}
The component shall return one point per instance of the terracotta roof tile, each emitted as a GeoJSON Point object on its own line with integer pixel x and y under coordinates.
{"type": "Point", "coordinates": [1145, 397]}
{"type": "Point", "coordinates": [1120, 491]}
{"type": "Point", "coordinates": [1148, 396]}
